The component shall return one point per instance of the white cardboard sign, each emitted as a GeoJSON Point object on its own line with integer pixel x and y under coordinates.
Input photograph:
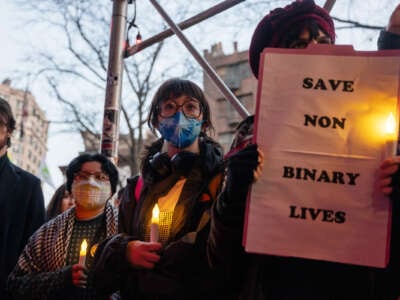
{"type": "Point", "coordinates": [320, 121]}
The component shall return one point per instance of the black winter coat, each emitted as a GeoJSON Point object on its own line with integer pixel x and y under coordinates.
{"type": "Point", "coordinates": [183, 271]}
{"type": "Point", "coordinates": [260, 277]}
{"type": "Point", "coordinates": [21, 213]}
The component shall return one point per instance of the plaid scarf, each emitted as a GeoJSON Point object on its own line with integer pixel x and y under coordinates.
{"type": "Point", "coordinates": [41, 269]}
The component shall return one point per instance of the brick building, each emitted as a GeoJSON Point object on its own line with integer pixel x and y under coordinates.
{"type": "Point", "coordinates": [235, 71]}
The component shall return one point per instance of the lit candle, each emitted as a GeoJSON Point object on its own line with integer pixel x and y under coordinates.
{"type": "Point", "coordinates": [155, 219]}
{"type": "Point", "coordinates": [82, 253]}
{"type": "Point", "coordinates": [391, 136]}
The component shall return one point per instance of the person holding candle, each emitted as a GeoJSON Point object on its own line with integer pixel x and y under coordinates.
{"type": "Point", "coordinates": [255, 276]}
{"type": "Point", "coordinates": [21, 201]}
{"type": "Point", "coordinates": [56, 262]}
{"type": "Point", "coordinates": [164, 214]}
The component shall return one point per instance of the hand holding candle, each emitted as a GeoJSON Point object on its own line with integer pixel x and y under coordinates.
{"type": "Point", "coordinates": [82, 253]}
{"type": "Point", "coordinates": [391, 136]}
{"type": "Point", "coordinates": [155, 219]}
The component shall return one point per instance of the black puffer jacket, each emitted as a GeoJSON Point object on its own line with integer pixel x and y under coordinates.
{"type": "Point", "coordinates": [183, 271]}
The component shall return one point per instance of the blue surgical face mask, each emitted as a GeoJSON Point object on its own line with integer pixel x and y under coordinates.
{"type": "Point", "coordinates": [179, 130]}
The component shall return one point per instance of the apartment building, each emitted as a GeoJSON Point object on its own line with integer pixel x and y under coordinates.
{"type": "Point", "coordinates": [29, 141]}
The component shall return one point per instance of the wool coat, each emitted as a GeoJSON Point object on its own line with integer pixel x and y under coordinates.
{"type": "Point", "coordinates": [21, 213]}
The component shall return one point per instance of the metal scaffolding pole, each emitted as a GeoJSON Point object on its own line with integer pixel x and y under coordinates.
{"type": "Point", "coordinates": [207, 68]}
{"type": "Point", "coordinates": [220, 7]}
{"type": "Point", "coordinates": [112, 103]}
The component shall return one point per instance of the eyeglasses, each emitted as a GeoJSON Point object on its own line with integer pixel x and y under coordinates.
{"type": "Point", "coordinates": [87, 175]}
{"type": "Point", "coordinates": [191, 108]}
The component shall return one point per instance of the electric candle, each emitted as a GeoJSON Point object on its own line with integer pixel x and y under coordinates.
{"type": "Point", "coordinates": [82, 253]}
{"type": "Point", "coordinates": [391, 137]}
{"type": "Point", "coordinates": [155, 219]}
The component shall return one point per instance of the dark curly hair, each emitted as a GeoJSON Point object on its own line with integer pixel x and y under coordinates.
{"type": "Point", "coordinates": [106, 166]}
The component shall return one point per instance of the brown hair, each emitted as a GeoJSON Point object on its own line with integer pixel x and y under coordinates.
{"type": "Point", "coordinates": [54, 207]}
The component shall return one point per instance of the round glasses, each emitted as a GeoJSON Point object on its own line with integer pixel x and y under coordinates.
{"type": "Point", "coordinates": [191, 108]}
{"type": "Point", "coordinates": [86, 176]}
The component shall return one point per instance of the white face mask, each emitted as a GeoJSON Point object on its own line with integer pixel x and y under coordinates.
{"type": "Point", "coordinates": [91, 194]}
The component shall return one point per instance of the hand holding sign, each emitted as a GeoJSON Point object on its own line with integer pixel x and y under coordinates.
{"type": "Point", "coordinates": [321, 117]}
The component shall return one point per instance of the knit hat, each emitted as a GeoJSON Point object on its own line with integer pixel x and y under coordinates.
{"type": "Point", "coordinates": [271, 28]}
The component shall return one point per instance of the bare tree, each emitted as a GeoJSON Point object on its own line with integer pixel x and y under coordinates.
{"type": "Point", "coordinates": [81, 62]}
{"type": "Point", "coordinates": [80, 58]}
{"type": "Point", "coordinates": [72, 58]}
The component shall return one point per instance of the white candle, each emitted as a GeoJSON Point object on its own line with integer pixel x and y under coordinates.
{"type": "Point", "coordinates": [82, 253]}
{"type": "Point", "coordinates": [391, 137]}
{"type": "Point", "coordinates": [155, 220]}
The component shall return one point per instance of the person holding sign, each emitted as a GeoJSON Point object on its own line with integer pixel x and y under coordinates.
{"type": "Point", "coordinates": [164, 213]}
{"type": "Point", "coordinates": [386, 280]}
{"type": "Point", "coordinates": [56, 262]}
{"type": "Point", "coordinates": [257, 276]}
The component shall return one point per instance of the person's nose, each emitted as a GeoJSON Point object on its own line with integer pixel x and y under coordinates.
{"type": "Point", "coordinates": [179, 107]}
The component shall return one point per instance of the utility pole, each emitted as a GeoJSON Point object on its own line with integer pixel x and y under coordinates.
{"type": "Point", "coordinates": [112, 103]}
{"type": "Point", "coordinates": [118, 50]}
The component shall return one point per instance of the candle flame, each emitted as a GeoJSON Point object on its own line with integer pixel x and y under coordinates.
{"type": "Point", "coordinates": [83, 248]}
{"type": "Point", "coordinates": [155, 215]}
{"type": "Point", "coordinates": [390, 125]}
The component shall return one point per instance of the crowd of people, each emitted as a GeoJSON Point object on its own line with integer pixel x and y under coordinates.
{"type": "Point", "coordinates": [82, 247]}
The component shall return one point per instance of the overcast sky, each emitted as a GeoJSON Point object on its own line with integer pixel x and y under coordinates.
{"type": "Point", "coordinates": [12, 53]}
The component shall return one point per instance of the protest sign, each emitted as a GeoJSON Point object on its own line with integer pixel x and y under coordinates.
{"type": "Point", "coordinates": [320, 120]}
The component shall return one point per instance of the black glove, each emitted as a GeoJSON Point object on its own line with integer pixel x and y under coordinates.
{"type": "Point", "coordinates": [240, 170]}
{"type": "Point", "coordinates": [388, 40]}
{"type": "Point", "coordinates": [240, 175]}
{"type": "Point", "coordinates": [395, 184]}
{"type": "Point", "coordinates": [395, 231]}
